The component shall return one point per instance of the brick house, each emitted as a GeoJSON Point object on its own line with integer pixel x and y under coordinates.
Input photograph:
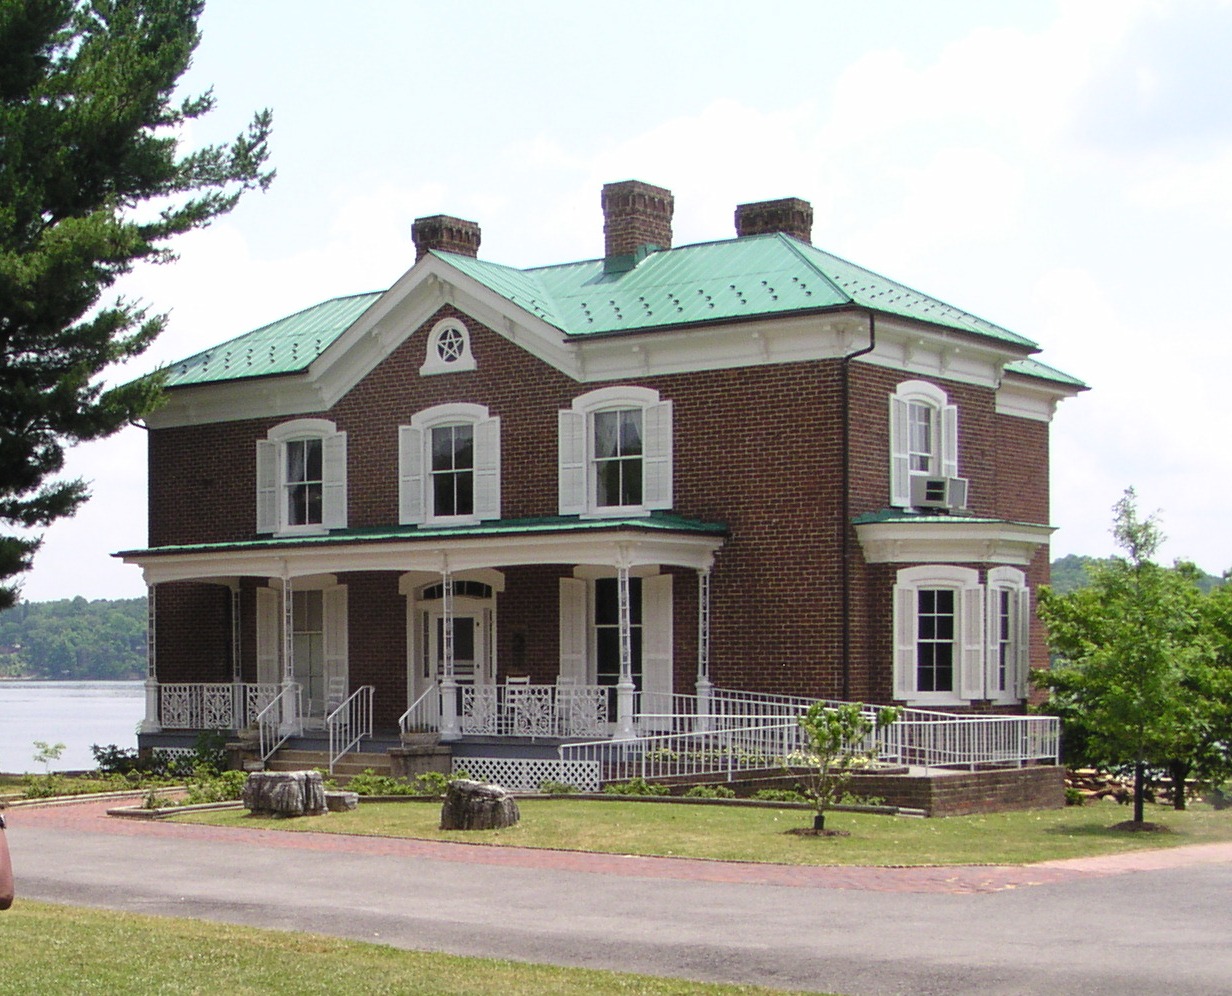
{"type": "Point", "coordinates": [585, 500]}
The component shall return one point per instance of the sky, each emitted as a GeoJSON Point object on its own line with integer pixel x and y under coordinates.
{"type": "Point", "coordinates": [1059, 168]}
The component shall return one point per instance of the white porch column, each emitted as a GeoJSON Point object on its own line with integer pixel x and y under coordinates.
{"type": "Point", "coordinates": [150, 724]}
{"type": "Point", "coordinates": [449, 686]}
{"type": "Point", "coordinates": [290, 702]}
{"type": "Point", "coordinates": [237, 687]}
{"type": "Point", "coordinates": [624, 687]}
{"type": "Point", "coordinates": [703, 650]}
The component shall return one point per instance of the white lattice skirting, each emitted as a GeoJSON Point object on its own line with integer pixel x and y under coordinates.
{"type": "Point", "coordinates": [521, 774]}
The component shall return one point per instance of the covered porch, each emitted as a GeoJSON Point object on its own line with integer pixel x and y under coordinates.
{"type": "Point", "coordinates": [301, 654]}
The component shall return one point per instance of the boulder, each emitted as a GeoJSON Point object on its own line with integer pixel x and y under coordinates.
{"type": "Point", "coordinates": [285, 793]}
{"type": "Point", "coordinates": [475, 806]}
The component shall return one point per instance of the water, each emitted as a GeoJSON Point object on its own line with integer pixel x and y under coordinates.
{"type": "Point", "coordinates": [74, 713]}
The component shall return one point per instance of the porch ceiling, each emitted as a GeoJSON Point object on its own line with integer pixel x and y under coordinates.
{"type": "Point", "coordinates": [622, 542]}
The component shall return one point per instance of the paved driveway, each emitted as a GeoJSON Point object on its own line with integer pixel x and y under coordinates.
{"type": "Point", "coordinates": [1154, 922]}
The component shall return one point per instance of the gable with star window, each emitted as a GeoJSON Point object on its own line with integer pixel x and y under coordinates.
{"type": "Point", "coordinates": [449, 349]}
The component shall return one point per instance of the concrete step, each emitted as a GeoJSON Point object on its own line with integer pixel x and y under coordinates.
{"type": "Point", "coordinates": [346, 766]}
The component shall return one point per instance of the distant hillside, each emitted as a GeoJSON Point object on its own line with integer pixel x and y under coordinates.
{"type": "Point", "coordinates": [1070, 573]}
{"type": "Point", "coordinates": [74, 638]}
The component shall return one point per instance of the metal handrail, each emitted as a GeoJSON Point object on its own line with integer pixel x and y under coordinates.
{"type": "Point", "coordinates": [281, 720]}
{"type": "Point", "coordinates": [424, 712]}
{"type": "Point", "coordinates": [350, 723]}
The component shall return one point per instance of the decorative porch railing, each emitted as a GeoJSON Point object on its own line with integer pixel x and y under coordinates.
{"type": "Point", "coordinates": [525, 710]}
{"type": "Point", "coordinates": [214, 705]}
{"type": "Point", "coordinates": [282, 719]}
{"type": "Point", "coordinates": [350, 723]}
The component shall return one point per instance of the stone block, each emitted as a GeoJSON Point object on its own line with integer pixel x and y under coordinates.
{"type": "Point", "coordinates": [285, 793]}
{"type": "Point", "coordinates": [341, 802]}
{"type": "Point", "coordinates": [475, 806]}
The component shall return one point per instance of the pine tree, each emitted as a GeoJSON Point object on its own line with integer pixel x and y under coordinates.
{"type": "Point", "coordinates": [92, 182]}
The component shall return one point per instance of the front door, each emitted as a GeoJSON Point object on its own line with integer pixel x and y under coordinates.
{"type": "Point", "coordinates": [470, 658]}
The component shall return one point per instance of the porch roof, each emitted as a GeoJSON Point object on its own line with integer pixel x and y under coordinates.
{"type": "Point", "coordinates": [624, 541]}
{"type": "Point", "coordinates": [897, 536]}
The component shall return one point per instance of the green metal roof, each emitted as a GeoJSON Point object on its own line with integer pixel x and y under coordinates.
{"type": "Point", "coordinates": [898, 515]}
{"type": "Point", "coordinates": [1042, 371]}
{"type": "Point", "coordinates": [656, 522]}
{"type": "Point", "coordinates": [285, 346]}
{"type": "Point", "coordinates": [754, 276]}
{"type": "Point", "coordinates": [759, 276]}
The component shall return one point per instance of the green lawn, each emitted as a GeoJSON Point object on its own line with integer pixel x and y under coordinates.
{"type": "Point", "coordinates": [745, 834]}
{"type": "Point", "coordinates": [60, 949]}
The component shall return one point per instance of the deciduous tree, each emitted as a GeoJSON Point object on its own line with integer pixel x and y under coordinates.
{"type": "Point", "coordinates": [1134, 679]}
{"type": "Point", "coordinates": [92, 182]}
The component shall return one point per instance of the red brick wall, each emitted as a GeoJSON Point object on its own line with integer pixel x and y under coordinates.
{"type": "Point", "coordinates": [757, 448]}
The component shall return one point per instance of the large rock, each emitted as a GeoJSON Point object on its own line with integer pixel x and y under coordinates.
{"type": "Point", "coordinates": [476, 806]}
{"type": "Point", "coordinates": [285, 793]}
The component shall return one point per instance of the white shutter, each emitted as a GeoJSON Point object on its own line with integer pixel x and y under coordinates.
{"type": "Point", "coordinates": [904, 641]}
{"type": "Point", "coordinates": [949, 433]}
{"type": "Point", "coordinates": [657, 455]}
{"type": "Point", "coordinates": [1022, 645]}
{"type": "Point", "coordinates": [336, 638]}
{"type": "Point", "coordinates": [657, 648]}
{"type": "Point", "coordinates": [992, 633]}
{"type": "Point", "coordinates": [571, 462]}
{"type": "Point", "coordinates": [487, 469]}
{"type": "Point", "coordinates": [573, 630]}
{"type": "Point", "coordinates": [971, 642]}
{"type": "Point", "coordinates": [900, 476]}
{"type": "Point", "coordinates": [267, 486]}
{"type": "Point", "coordinates": [269, 617]}
{"type": "Point", "coordinates": [334, 491]}
{"type": "Point", "coordinates": [410, 476]}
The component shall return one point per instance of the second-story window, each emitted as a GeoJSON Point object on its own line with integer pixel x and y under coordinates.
{"type": "Point", "coordinates": [615, 453]}
{"type": "Point", "coordinates": [449, 466]}
{"type": "Point", "coordinates": [453, 470]}
{"type": "Point", "coordinates": [304, 482]}
{"type": "Point", "coordinates": [301, 478]}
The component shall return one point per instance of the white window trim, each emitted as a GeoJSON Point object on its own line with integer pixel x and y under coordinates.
{"type": "Point", "coordinates": [575, 453]}
{"type": "Point", "coordinates": [969, 649]}
{"type": "Point", "coordinates": [1014, 581]}
{"type": "Point", "coordinates": [271, 505]}
{"type": "Point", "coordinates": [434, 363]}
{"type": "Point", "coordinates": [946, 443]}
{"type": "Point", "coordinates": [415, 461]}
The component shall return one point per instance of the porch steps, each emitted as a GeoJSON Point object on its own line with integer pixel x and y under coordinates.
{"type": "Point", "coordinates": [348, 765]}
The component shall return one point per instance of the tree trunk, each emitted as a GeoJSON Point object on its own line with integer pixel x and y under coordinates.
{"type": "Point", "coordinates": [1139, 791]}
{"type": "Point", "coordinates": [1179, 771]}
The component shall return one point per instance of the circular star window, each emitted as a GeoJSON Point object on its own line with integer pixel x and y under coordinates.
{"type": "Point", "coordinates": [449, 348]}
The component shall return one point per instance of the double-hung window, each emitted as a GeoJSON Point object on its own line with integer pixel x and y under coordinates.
{"type": "Point", "coordinates": [449, 466]}
{"type": "Point", "coordinates": [957, 640]}
{"type": "Point", "coordinates": [938, 635]}
{"type": "Point", "coordinates": [301, 478]}
{"type": "Point", "coordinates": [923, 437]}
{"type": "Point", "coordinates": [615, 453]}
{"type": "Point", "coordinates": [1008, 623]}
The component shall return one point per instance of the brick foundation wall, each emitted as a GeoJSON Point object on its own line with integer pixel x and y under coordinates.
{"type": "Point", "coordinates": [949, 793]}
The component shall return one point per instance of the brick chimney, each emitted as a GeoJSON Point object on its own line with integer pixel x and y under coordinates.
{"type": "Point", "coordinates": [790, 215]}
{"type": "Point", "coordinates": [440, 231]}
{"type": "Point", "coordinates": [635, 214]}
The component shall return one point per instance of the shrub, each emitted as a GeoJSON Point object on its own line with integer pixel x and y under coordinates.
{"type": "Point", "coordinates": [710, 792]}
{"type": "Point", "coordinates": [635, 786]}
{"type": "Point", "coordinates": [551, 787]}
{"type": "Point", "coordinates": [1074, 797]}
{"type": "Point", "coordinates": [430, 783]}
{"type": "Point", "coordinates": [224, 786]}
{"type": "Point", "coordinates": [780, 795]}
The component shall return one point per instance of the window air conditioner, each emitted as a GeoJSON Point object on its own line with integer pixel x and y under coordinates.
{"type": "Point", "coordinates": [938, 492]}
